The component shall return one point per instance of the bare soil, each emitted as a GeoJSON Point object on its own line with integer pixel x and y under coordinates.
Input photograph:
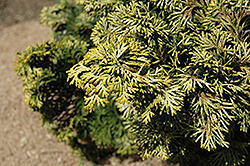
{"type": "Point", "coordinates": [23, 140]}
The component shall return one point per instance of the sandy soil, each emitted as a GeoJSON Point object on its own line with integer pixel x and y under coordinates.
{"type": "Point", "coordinates": [23, 140]}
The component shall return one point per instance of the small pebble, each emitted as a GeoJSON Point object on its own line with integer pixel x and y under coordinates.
{"type": "Point", "coordinates": [59, 159]}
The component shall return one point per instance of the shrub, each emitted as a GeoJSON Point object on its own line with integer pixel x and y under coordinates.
{"type": "Point", "coordinates": [170, 76]}
{"type": "Point", "coordinates": [179, 73]}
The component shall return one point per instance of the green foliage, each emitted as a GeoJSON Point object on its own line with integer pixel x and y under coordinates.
{"type": "Point", "coordinates": [62, 106]}
{"type": "Point", "coordinates": [66, 18]}
{"type": "Point", "coordinates": [98, 8]}
{"type": "Point", "coordinates": [179, 73]}
{"type": "Point", "coordinates": [107, 130]}
{"type": "Point", "coordinates": [43, 71]}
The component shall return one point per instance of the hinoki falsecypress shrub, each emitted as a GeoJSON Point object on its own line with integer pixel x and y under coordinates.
{"type": "Point", "coordinates": [170, 76]}
{"type": "Point", "coordinates": [179, 73]}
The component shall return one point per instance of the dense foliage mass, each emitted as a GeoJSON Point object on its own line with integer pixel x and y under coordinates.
{"type": "Point", "coordinates": [172, 75]}
{"type": "Point", "coordinates": [179, 71]}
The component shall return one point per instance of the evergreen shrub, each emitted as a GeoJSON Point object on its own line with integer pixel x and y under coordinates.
{"type": "Point", "coordinates": [170, 76]}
